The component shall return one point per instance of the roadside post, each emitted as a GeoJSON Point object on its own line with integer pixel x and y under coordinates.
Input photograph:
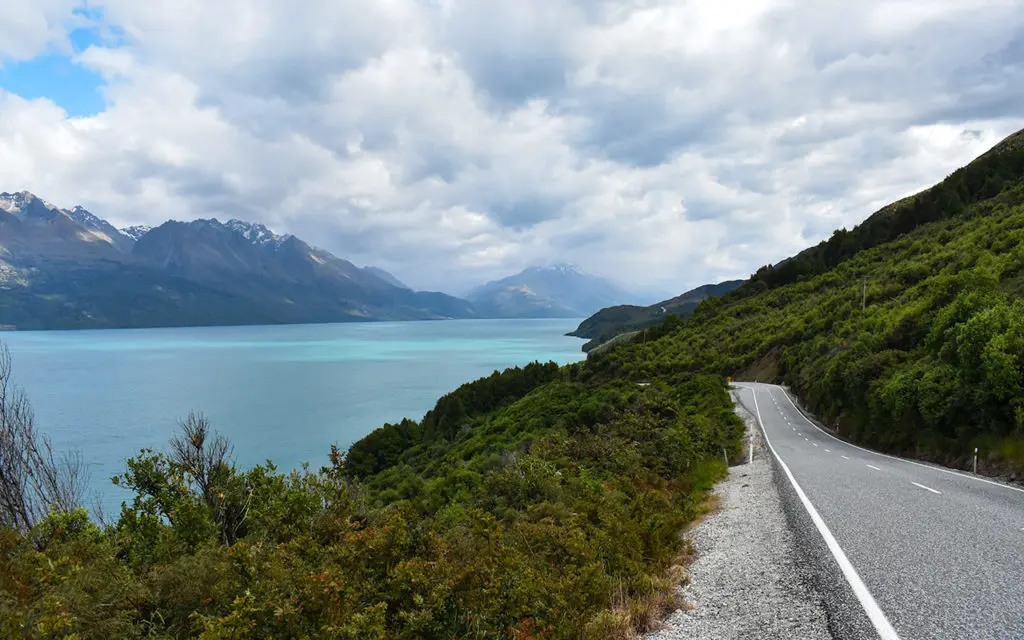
{"type": "Point", "coordinates": [975, 460]}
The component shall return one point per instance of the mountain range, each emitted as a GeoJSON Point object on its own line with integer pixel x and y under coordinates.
{"type": "Point", "coordinates": [63, 268]}
{"type": "Point", "coordinates": [558, 291]}
{"type": "Point", "coordinates": [69, 268]}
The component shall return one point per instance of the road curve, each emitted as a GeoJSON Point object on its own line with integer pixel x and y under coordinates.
{"type": "Point", "coordinates": [926, 552]}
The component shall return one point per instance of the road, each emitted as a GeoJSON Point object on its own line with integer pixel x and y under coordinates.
{"type": "Point", "coordinates": [922, 552]}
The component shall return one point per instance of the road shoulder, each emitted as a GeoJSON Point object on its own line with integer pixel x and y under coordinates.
{"type": "Point", "coordinates": [745, 581]}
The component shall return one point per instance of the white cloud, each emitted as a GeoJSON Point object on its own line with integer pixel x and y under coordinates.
{"type": "Point", "coordinates": [666, 142]}
{"type": "Point", "coordinates": [30, 27]}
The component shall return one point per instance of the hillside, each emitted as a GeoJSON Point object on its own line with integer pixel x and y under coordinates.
{"type": "Point", "coordinates": [559, 291]}
{"type": "Point", "coordinates": [547, 501]}
{"type": "Point", "coordinates": [612, 321]}
{"type": "Point", "coordinates": [69, 269]}
{"type": "Point", "coordinates": [927, 360]}
{"type": "Point", "coordinates": [386, 277]}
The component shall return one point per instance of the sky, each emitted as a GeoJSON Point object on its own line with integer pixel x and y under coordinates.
{"type": "Point", "coordinates": [666, 143]}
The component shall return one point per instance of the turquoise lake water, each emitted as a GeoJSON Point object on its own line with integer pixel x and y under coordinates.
{"type": "Point", "coordinates": [280, 392]}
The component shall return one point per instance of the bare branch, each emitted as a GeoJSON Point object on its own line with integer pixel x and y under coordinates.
{"type": "Point", "coordinates": [32, 482]}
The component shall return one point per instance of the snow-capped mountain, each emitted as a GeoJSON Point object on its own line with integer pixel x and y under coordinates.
{"type": "Point", "coordinates": [27, 206]}
{"type": "Point", "coordinates": [559, 290]}
{"type": "Point", "coordinates": [43, 221]}
{"type": "Point", "coordinates": [255, 233]}
{"type": "Point", "coordinates": [136, 231]}
{"type": "Point", "coordinates": [72, 269]}
{"type": "Point", "coordinates": [89, 221]}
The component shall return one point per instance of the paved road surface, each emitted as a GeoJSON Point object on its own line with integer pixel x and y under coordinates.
{"type": "Point", "coordinates": [925, 552]}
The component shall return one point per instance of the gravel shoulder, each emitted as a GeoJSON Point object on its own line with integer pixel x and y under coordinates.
{"type": "Point", "coordinates": [746, 580]}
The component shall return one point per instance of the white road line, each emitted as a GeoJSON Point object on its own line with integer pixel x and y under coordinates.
{"type": "Point", "coordinates": [846, 457]}
{"type": "Point", "coordinates": [885, 455]}
{"type": "Point", "coordinates": [871, 466]}
{"type": "Point", "coordinates": [815, 443]}
{"type": "Point", "coordinates": [875, 614]}
{"type": "Point", "coordinates": [828, 451]}
{"type": "Point", "coordinates": [926, 488]}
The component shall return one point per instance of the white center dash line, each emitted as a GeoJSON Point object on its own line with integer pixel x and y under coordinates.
{"type": "Point", "coordinates": [828, 451]}
{"type": "Point", "coordinates": [846, 457]}
{"type": "Point", "coordinates": [926, 488]}
{"type": "Point", "coordinates": [871, 466]}
{"type": "Point", "coordinates": [815, 443]}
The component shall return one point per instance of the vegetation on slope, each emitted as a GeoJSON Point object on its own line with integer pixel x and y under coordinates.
{"type": "Point", "coordinates": [546, 502]}
{"type": "Point", "coordinates": [615, 321]}
{"type": "Point", "coordinates": [540, 502]}
{"type": "Point", "coordinates": [925, 360]}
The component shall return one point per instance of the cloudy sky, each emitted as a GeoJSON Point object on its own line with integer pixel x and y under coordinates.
{"type": "Point", "coordinates": [665, 142]}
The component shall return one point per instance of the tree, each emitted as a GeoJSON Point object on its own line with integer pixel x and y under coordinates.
{"type": "Point", "coordinates": [32, 483]}
{"type": "Point", "coordinates": [206, 457]}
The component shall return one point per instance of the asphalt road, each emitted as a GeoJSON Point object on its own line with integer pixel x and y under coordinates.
{"type": "Point", "coordinates": [921, 552]}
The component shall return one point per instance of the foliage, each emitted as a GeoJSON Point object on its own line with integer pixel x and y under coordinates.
{"type": "Point", "coordinates": [613, 321]}
{"type": "Point", "coordinates": [545, 501]}
{"type": "Point", "coordinates": [539, 502]}
{"type": "Point", "coordinates": [914, 345]}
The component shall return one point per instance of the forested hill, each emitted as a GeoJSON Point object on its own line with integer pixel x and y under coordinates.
{"type": "Point", "coordinates": [613, 321]}
{"type": "Point", "coordinates": [546, 501]}
{"type": "Point", "coordinates": [988, 176]}
{"type": "Point", "coordinates": [928, 362]}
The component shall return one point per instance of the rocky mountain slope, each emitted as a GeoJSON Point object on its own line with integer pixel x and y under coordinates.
{"type": "Point", "coordinates": [71, 269]}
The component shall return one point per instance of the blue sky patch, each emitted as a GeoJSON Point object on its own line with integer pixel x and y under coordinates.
{"type": "Point", "coordinates": [53, 75]}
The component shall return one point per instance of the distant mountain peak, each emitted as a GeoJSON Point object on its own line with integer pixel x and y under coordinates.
{"type": "Point", "coordinates": [100, 228]}
{"type": "Point", "coordinates": [136, 231]}
{"type": "Point", "coordinates": [561, 267]}
{"type": "Point", "coordinates": [556, 290]}
{"type": "Point", "coordinates": [255, 232]}
{"type": "Point", "coordinates": [82, 215]}
{"type": "Point", "coordinates": [19, 203]}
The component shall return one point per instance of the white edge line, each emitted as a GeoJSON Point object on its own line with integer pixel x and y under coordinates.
{"type": "Point", "coordinates": [885, 455]}
{"type": "Point", "coordinates": [926, 488]}
{"type": "Point", "coordinates": [875, 614]}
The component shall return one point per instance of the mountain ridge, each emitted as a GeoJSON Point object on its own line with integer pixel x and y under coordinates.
{"type": "Point", "coordinates": [64, 268]}
{"type": "Point", "coordinates": [559, 290]}
{"type": "Point", "coordinates": [613, 321]}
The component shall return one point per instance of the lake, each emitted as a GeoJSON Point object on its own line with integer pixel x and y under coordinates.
{"type": "Point", "coordinates": [280, 392]}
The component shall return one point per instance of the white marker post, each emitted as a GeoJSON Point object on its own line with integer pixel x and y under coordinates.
{"type": "Point", "coordinates": [975, 459]}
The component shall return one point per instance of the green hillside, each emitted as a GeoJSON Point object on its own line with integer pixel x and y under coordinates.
{"type": "Point", "coordinates": [610, 322]}
{"type": "Point", "coordinates": [541, 502]}
{"type": "Point", "coordinates": [545, 501]}
{"type": "Point", "coordinates": [927, 361]}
